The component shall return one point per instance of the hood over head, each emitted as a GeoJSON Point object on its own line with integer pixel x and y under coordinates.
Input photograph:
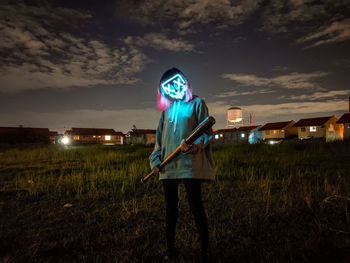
{"type": "Point", "coordinates": [173, 86]}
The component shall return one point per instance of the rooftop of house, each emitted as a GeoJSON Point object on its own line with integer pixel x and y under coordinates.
{"type": "Point", "coordinates": [53, 133]}
{"type": "Point", "coordinates": [275, 125]}
{"type": "Point", "coordinates": [142, 131]}
{"type": "Point", "coordinates": [312, 121]}
{"type": "Point", "coordinates": [248, 128]}
{"type": "Point", "coordinates": [345, 118]}
{"type": "Point", "coordinates": [226, 130]}
{"type": "Point", "coordinates": [243, 128]}
{"type": "Point", "coordinates": [8, 129]}
{"type": "Point", "coordinates": [92, 131]}
{"type": "Point", "coordinates": [41, 131]}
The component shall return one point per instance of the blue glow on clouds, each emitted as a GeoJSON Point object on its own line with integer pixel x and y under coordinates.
{"type": "Point", "coordinates": [175, 87]}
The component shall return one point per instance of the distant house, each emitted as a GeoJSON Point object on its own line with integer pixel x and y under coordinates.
{"type": "Point", "coordinates": [53, 135]}
{"type": "Point", "coordinates": [225, 136]}
{"type": "Point", "coordinates": [345, 121]}
{"type": "Point", "coordinates": [323, 127]}
{"type": "Point", "coordinates": [249, 134]}
{"type": "Point", "coordinates": [279, 130]}
{"type": "Point", "coordinates": [243, 134]}
{"type": "Point", "coordinates": [94, 136]}
{"type": "Point", "coordinates": [21, 134]}
{"type": "Point", "coordinates": [141, 136]}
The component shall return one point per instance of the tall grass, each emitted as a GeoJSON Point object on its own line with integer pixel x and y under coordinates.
{"type": "Point", "coordinates": [97, 171]}
{"type": "Point", "coordinates": [271, 203]}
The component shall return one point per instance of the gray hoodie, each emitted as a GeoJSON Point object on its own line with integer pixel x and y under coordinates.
{"type": "Point", "coordinates": [176, 124]}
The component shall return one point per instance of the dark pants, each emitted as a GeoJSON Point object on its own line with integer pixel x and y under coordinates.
{"type": "Point", "coordinates": [194, 196]}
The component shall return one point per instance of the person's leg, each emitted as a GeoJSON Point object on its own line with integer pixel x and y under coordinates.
{"type": "Point", "coordinates": [194, 195]}
{"type": "Point", "coordinates": [171, 199]}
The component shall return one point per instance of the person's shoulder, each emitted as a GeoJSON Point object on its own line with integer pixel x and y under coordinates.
{"type": "Point", "coordinates": [197, 99]}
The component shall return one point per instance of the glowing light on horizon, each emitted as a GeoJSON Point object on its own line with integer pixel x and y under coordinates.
{"type": "Point", "coordinates": [65, 140]}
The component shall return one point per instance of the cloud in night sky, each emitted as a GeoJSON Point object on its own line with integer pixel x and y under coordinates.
{"type": "Point", "coordinates": [294, 80]}
{"type": "Point", "coordinates": [242, 93]}
{"type": "Point", "coordinates": [280, 15]}
{"type": "Point", "coordinates": [45, 57]}
{"type": "Point", "coordinates": [328, 17]}
{"type": "Point", "coordinates": [269, 110]}
{"type": "Point", "coordinates": [319, 95]}
{"type": "Point", "coordinates": [160, 41]}
{"type": "Point", "coordinates": [336, 32]}
{"type": "Point", "coordinates": [186, 14]}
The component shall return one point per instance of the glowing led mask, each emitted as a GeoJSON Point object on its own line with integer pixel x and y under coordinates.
{"type": "Point", "coordinates": [175, 87]}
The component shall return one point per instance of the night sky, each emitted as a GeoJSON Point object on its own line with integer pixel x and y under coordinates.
{"type": "Point", "coordinates": [97, 63]}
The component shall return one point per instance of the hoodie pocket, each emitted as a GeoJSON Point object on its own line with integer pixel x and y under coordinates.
{"type": "Point", "coordinates": [186, 160]}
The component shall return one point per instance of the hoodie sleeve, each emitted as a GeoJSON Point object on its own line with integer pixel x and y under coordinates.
{"type": "Point", "coordinates": [202, 142]}
{"type": "Point", "coordinates": [155, 157]}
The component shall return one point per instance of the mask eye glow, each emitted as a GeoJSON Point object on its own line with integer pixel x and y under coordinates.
{"type": "Point", "coordinates": [175, 87]}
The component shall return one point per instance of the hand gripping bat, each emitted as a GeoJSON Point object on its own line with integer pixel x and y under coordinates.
{"type": "Point", "coordinates": [207, 123]}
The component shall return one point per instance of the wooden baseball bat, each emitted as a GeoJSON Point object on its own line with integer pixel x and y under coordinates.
{"type": "Point", "coordinates": [207, 123]}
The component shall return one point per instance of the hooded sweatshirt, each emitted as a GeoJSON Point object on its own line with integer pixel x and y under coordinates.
{"type": "Point", "coordinates": [176, 124]}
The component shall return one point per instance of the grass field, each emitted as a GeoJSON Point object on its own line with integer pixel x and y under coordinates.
{"type": "Point", "coordinates": [271, 203]}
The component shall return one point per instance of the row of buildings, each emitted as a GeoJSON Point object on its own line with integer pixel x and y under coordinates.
{"type": "Point", "coordinates": [108, 136]}
{"type": "Point", "coordinates": [328, 128]}
{"type": "Point", "coordinates": [15, 135]}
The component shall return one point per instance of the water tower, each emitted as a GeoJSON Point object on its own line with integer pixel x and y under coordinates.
{"type": "Point", "coordinates": [234, 117]}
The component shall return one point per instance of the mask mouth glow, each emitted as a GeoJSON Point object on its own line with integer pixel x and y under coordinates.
{"type": "Point", "coordinates": [175, 87]}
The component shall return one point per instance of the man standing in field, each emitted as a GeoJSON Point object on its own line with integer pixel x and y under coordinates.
{"type": "Point", "coordinates": [181, 113]}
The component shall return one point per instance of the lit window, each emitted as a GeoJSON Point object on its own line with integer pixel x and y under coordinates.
{"type": "Point", "coordinates": [312, 128]}
{"type": "Point", "coordinates": [242, 135]}
{"type": "Point", "coordinates": [94, 136]}
{"type": "Point", "coordinates": [275, 131]}
{"type": "Point", "coordinates": [216, 136]}
{"type": "Point", "coordinates": [76, 138]}
{"type": "Point", "coordinates": [221, 135]}
{"type": "Point", "coordinates": [107, 137]}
